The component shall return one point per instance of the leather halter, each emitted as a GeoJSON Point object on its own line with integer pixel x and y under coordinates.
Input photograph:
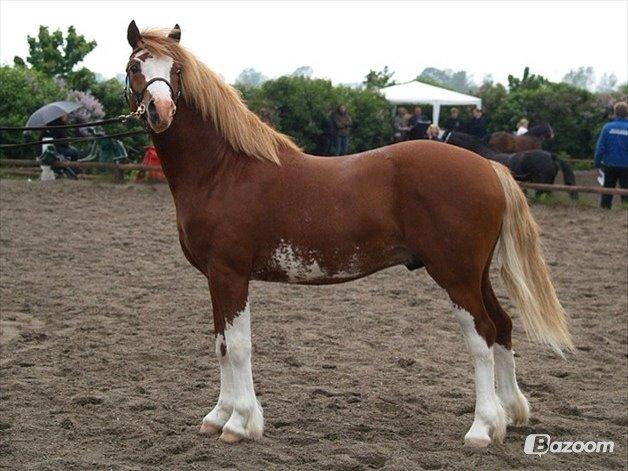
{"type": "Point", "coordinates": [139, 96]}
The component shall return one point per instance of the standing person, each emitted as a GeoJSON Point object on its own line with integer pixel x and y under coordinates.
{"type": "Point", "coordinates": [453, 123]}
{"type": "Point", "coordinates": [522, 127]}
{"type": "Point", "coordinates": [328, 138]}
{"type": "Point", "coordinates": [611, 153]}
{"type": "Point", "coordinates": [477, 125]}
{"type": "Point", "coordinates": [401, 124]}
{"type": "Point", "coordinates": [417, 117]}
{"type": "Point", "coordinates": [342, 126]}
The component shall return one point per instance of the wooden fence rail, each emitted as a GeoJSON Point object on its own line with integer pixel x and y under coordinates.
{"type": "Point", "coordinates": [119, 169]}
{"type": "Point", "coordinates": [579, 189]}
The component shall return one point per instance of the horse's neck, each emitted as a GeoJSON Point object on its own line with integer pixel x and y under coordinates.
{"type": "Point", "coordinates": [192, 152]}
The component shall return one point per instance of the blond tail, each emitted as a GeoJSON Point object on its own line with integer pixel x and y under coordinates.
{"type": "Point", "coordinates": [524, 271]}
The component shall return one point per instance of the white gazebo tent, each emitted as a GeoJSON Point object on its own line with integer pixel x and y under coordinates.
{"type": "Point", "coordinates": [424, 94]}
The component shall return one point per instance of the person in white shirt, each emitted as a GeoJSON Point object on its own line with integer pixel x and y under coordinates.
{"type": "Point", "coordinates": [522, 127]}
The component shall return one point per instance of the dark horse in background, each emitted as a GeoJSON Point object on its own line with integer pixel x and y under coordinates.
{"type": "Point", "coordinates": [509, 143]}
{"type": "Point", "coordinates": [535, 166]}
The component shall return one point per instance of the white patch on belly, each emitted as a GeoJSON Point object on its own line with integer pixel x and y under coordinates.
{"type": "Point", "coordinates": [297, 266]}
{"type": "Point", "coordinates": [350, 270]}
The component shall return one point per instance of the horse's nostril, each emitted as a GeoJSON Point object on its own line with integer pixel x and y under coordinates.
{"type": "Point", "coordinates": [152, 112]}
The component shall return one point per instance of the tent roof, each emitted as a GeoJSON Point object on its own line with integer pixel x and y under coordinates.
{"type": "Point", "coordinates": [422, 93]}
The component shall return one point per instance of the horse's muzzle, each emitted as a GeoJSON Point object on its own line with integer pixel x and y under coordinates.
{"type": "Point", "coordinates": [159, 113]}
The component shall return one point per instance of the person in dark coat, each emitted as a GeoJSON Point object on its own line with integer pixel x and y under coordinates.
{"type": "Point", "coordinates": [342, 127]}
{"type": "Point", "coordinates": [65, 149]}
{"type": "Point", "coordinates": [453, 123]}
{"type": "Point", "coordinates": [417, 117]}
{"type": "Point", "coordinates": [477, 124]}
{"type": "Point", "coordinates": [327, 143]}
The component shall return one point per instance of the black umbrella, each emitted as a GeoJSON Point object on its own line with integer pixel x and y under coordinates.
{"type": "Point", "coordinates": [51, 111]}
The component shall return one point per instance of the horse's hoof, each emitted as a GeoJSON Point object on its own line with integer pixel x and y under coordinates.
{"type": "Point", "coordinates": [209, 429]}
{"type": "Point", "coordinates": [230, 437]}
{"type": "Point", "coordinates": [477, 442]}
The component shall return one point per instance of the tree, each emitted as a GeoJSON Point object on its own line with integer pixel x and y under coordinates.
{"type": "Point", "coordinates": [458, 81]}
{"type": "Point", "coordinates": [527, 81]}
{"type": "Point", "coordinates": [303, 71]}
{"type": "Point", "coordinates": [582, 77]}
{"type": "Point", "coordinates": [607, 83]}
{"type": "Point", "coordinates": [23, 90]}
{"type": "Point", "coordinates": [379, 79]}
{"type": "Point", "coordinates": [492, 95]}
{"type": "Point", "coordinates": [54, 55]}
{"type": "Point", "coordinates": [82, 79]}
{"type": "Point", "coordinates": [250, 78]}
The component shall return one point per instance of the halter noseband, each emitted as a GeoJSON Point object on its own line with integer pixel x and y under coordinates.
{"type": "Point", "coordinates": [139, 97]}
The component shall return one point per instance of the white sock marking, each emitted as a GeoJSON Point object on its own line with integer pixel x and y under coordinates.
{"type": "Point", "coordinates": [514, 401]}
{"type": "Point", "coordinates": [224, 407]}
{"type": "Point", "coordinates": [247, 417]}
{"type": "Point", "coordinates": [489, 419]}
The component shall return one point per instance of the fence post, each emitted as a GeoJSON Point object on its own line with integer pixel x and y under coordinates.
{"type": "Point", "coordinates": [118, 175]}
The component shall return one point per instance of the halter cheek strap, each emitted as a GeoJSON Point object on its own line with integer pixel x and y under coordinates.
{"type": "Point", "coordinates": [139, 97]}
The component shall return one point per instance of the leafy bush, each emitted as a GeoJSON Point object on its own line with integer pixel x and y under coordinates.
{"type": "Point", "coordinates": [300, 104]}
{"type": "Point", "coordinates": [110, 93]}
{"type": "Point", "coordinates": [91, 109]}
{"type": "Point", "coordinates": [22, 92]}
{"type": "Point", "coordinates": [572, 112]}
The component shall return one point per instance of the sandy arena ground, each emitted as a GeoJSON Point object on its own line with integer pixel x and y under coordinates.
{"type": "Point", "coordinates": [107, 350]}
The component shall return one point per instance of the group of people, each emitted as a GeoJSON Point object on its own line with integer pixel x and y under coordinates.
{"type": "Point", "coordinates": [475, 125]}
{"type": "Point", "coordinates": [407, 126]}
{"type": "Point", "coordinates": [417, 125]}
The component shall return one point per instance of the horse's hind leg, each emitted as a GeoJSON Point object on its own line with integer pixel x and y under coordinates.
{"type": "Point", "coordinates": [479, 332]}
{"type": "Point", "coordinates": [514, 402]}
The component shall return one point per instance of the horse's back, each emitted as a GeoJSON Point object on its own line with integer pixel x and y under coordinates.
{"type": "Point", "coordinates": [502, 141]}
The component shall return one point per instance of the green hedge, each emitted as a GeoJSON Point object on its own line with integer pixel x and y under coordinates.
{"type": "Point", "coordinates": [22, 92]}
{"type": "Point", "coordinates": [298, 105]}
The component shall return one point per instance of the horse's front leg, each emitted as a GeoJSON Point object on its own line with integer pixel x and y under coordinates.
{"type": "Point", "coordinates": [238, 413]}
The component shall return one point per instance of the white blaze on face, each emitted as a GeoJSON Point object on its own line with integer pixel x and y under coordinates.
{"type": "Point", "coordinates": [157, 67]}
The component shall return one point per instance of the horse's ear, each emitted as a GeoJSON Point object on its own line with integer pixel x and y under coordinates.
{"type": "Point", "coordinates": [175, 33]}
{"type": "Point", "coordinates": [133, 34]}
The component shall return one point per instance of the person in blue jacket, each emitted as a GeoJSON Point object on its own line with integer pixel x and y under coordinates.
{"type": "Point", "coordinates": [611, 153]}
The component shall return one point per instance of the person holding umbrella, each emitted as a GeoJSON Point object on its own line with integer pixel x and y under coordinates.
{"type": "Point", "coordinates": [63, 148]}
{"type": "Point", "coordinates": [56, 114]}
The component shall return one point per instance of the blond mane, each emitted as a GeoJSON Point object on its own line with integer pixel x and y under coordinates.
{"type": "Point", "coordinates": [219, 102]}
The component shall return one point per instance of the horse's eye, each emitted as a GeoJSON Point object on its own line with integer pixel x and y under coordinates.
{"type": "Point", "coordinates": [135, 68]}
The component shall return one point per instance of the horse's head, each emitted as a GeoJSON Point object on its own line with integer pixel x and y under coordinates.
{"type": "Point", "coordinates": [153, 81]}
{"type": "Point", "coordinates": [543, 130]}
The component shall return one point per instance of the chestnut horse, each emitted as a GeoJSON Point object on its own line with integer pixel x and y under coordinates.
{"type": "Point", "coordinates": [509, 143]}
{"type": "Point", "coordinates": [251, 206]}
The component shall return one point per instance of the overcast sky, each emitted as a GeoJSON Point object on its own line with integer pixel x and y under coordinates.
{"type": "Point", "coordinates": [343, 40]}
